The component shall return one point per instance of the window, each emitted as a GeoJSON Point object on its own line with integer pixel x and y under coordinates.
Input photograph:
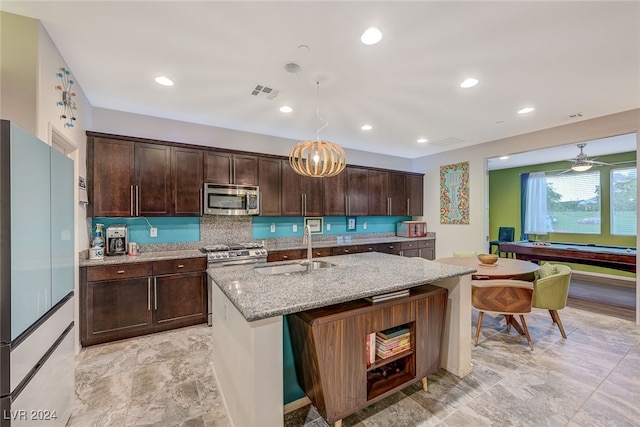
{"type": "Point", "coordinates": [624, 202]}
{"type": "Point", "coordinates": [573, 202]}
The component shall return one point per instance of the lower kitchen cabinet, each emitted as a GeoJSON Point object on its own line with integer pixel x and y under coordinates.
{"type": "Point", "coordinates": [331, 348]}
{"type": "Point", "coordinates": [417, 248]}
{"type": "Point", "coordinates": [120, 301]}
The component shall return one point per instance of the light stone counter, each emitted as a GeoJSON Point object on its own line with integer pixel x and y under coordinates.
{"type": "Point", "coordinates": [317, 243]}
{"type": "Point", "coordinates": [143, 257]}
{"type": "Point", "coordinates": [247, 321]}
{"type": "Point", "coordinates": [259, 296]}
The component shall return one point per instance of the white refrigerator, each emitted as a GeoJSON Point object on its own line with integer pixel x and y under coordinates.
{"type": "Point", "coordinates": [37, 281]}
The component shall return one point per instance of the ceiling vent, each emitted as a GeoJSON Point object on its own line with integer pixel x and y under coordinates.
{"type": "Point", "coordinates": [264, 92]}
{"type": "Point", "coordinates": [447, 142]}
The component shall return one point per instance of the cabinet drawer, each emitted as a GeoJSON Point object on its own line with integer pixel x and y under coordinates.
{"type": "Point", "coordinates": [426, 243]}
{"type": "Point", "coordinates": [389, 317]}
{"type": "Point", "coordinates": [320, 252]}
{"type": "Point", "coordinates": [388, 248]}
{"type": "Point", "coordinates": [179, 265]}
{"type": "Point", "coordinates": [408, 245]}
{"type": "Point", "coordinates": [286, 255]}
{"type": "Point", "coordinates": [346, 250]}
{"type": "Point", "coordinates": [118, 271]}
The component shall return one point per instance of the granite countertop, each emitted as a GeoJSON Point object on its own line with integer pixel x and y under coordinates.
{"type": "Point", "coordinates": [143, 257]}
{"type": "Point", "coordinates": [333, 243]}
{"type": "Point", "coordinates": [260, 296]}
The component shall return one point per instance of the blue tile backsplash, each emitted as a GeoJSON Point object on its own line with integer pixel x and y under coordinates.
{"type": "Point", "coordinates": [338, 225]}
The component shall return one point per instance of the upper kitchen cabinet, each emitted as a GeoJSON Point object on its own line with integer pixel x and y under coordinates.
{"type": "Point", "coordinates": [186, 180]}
{"type": "Point", "coordinates": [270, 184]}
{"type": "Point", "coordinates": [227, 168]}
{"type": "Point", "coordinates": [301, 195]}
{"type": "Point", "coordinates": [153, 180]}
{"type": "Point", "coordinates": [398, 202]}
{"type": "Point", "coordinates": [334, 195]}
{"type": "Point", "coordinates": [415, 190]}
{"type": "Point", "coordinates": [357, 191]}
{"type": "Point", "coordinates": [110, 177]}
{"type": "Point", "coordinates": [378, 193]}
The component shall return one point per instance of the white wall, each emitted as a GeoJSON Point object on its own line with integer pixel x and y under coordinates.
{"type": "Point", "coordinates": [474, 236]}
{"type": "Point", "coordinates": [130, 124]}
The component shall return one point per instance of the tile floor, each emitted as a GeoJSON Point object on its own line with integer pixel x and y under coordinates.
{"type": "Point", "coordinates": [590, 379]}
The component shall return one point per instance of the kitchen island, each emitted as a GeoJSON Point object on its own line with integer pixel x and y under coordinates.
{"type": "Point", "coordinates": [247, 320]}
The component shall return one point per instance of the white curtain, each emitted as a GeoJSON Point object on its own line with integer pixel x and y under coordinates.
{"type": "Point", "coordinates": [535, 218]}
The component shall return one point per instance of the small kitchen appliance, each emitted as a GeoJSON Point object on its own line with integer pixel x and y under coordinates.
{"type": "Point", "coordinates": [411, 229]}
{"type": "Point", "coordinates": [117, 239]}
{"type": "Point", "coordinates": [232, 254]}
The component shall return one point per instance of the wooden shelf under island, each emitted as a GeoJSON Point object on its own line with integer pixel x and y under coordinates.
{"type": "Point", "coordinates": [330, 349]}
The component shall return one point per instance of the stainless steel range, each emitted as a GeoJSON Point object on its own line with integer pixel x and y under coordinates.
{"type": "Point", "coordinates": [232, 254]}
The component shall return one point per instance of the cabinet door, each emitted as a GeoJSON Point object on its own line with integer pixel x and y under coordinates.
{"type": "Point", "coordinates": [153, 179]}
{"type": "Point", "coordinates": [414, 193]}
{"type": "Point", "coordinates": [217, 167]}
{"type": "Point", "coordinates": [357, 191]}
{"type": "Point", "coordinates": [378, 193]}
{"type": "Point", "coordinates": [110, 171]}
{"type": "Point", "coordinates": [398, 194]}
{"type": "Point", "coordinates": [292, 199]}
{"type": "Point", "coordinates": [179, 300]}
{"type": "Point", "coordinates": [186, 180]}
{"type": "Point", "coordinates": [430, 318]}
{"type": "Point", "coordinates": [270, 186]}
{"type": "Point", "coordinates": [312, 192]}
{"type": "Point", "coordinates": [245, 170]}
{"type": "Point", "coordinates": [117, 309]}
{"type": "Point", "coordinates": [334, 195]}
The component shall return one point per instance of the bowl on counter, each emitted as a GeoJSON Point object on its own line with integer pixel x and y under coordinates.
{"type": "Point", "coordinates": [488, 259]}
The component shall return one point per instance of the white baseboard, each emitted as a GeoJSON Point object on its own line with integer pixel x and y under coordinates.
{"type": "Point", "coordinates": [607, 279]}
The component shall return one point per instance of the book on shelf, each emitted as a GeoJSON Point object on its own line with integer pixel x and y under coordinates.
{"type": "Point", "coordinates": [388, 346]}
{"type": "Point", "coordinates": [393, 332]}
{"type": "Point", "coordinates": [371, 348]}
{"type": "Point", "coordinates": [393, 351]}
{"type": "Point", "coordinates": [389, 295]}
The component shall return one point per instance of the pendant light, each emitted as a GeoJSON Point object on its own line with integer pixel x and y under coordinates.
{"type": "Point", "coordinates": [318, 158]}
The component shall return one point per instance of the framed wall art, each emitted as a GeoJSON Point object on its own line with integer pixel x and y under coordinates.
{"type": "Point", "coordinates": [454, 193]}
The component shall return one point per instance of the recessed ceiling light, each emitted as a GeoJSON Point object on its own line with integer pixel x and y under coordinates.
{"type": "Point", "coordinates": [504, 157]}
{"type": "Point", "coordinates": [371, 36]}
{"type": "Point", "coordinates": [164, 81]}
{"type": "Point", "coordinates": [286, 109]}
{"type": "Point", "coordinates": [422, 140]}
{"type": "Point", "coordinates": [526, 110]}
{"type": "Point", "coordinates": [470, 82]}
{"type": "Point", "coordinates": [366, 127]}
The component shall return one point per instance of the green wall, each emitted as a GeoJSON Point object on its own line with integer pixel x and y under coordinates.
{"type": "Point", "coordinates": [504, 207]}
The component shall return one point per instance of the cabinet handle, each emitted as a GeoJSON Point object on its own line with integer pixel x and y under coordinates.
{"type": "Point", "coordinates": [131, 201]}
{"type": "Point", "coordinates": [120, 271]}
{"type": "Point", "coordinates": [304, 195]}
{"type": "Point", "coordinates": [232, 172]}
{"type": "Point", "coordinates": [155, 293]}
{"type": "Point", "coordinates": [302, 204]}
{"type": "Point", "coordinates": [180, 265]}
{"type": "Point", "coordinates": [347, 202]}
{"type": "Point", "coordinates": [408, 204]}
{"type": "Point", "coordinates": [137, 201]}
{"type": "Point", "coordinates": [149, 294]}
{"type": "Point", "coordinates": [260, 204]}
{"type": "Point", "coordinates": [201, 203]}
{"type": "Point", "coordinates": [388, 205]}
{"type": "Point", "coordinates": [285, 256]}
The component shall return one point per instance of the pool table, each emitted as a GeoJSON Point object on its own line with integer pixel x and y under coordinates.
{"type": "Point", "coordinates": [616, 257]}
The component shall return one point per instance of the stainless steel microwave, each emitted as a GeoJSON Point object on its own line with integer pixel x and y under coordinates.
{"type": "Point", "coordinates": [227, 199]}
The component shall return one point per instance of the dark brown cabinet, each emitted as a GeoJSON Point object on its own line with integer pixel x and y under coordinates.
{"type": "Point", "coordinates": [378, 193]}
{"type": "Point", "coordinates": [357, 191]}
{"type": "Point", "coordinates": [186, 181]}
{"type": "Point", "coordinates": [341, 382]}
{"type": "Point", "coordinates": [153, 180]}
{"type": "Point", "coordinates": [398, 201]}
{"type": "Point", "coordinates": [110, 177]}
{"type": "Point", "coordinates": [415, 189]}
{"type": "Point", "coordinates": [301, 195]}
{"type": "Point", "coordinates": [334, 195]}
{"type": "Point", "coordinates": [120, 301]}
{"type": "Point", "coordinates": [270, 184]}
{"type": "Point", "coordinates": [228, 168]}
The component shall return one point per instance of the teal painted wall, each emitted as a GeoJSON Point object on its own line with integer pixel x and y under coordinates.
{"type": "Point", "coordinates": [170, 229]}
{"type": "Point", "coordinates": [338, 224]}
{"type": "Point", "coordinates": [504, 207]}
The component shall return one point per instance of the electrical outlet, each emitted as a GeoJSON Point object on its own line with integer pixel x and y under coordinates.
{"type": "Point", "coordinates": [153, 232]}
{"type": "Point", "coordinates": [273, 227]}
{"type": "Point", "coordinates": [295, 228]}
{"type": "Point", "coordinates": [364, 225]}
{"type": "Point", "coordinates": [328, 227]}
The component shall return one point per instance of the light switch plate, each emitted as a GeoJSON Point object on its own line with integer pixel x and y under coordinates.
{"type": "Point", "coordinates": [273, 227]}
{"type": "Point", "coordinates": [328, 227]}
{"type": "Point", "coordinates": [153, 232]}
{"type": "Point", "coordinates": [295, 228]}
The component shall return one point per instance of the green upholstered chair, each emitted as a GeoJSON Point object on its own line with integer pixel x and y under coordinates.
{"type": "Point", "coordinates": [550, 290]}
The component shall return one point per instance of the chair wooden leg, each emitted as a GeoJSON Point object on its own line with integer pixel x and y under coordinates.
{"type": "Point", "coordinates": [556, 318]}
{"type": "Point", "coordinates": [425, 384]}
{"type": "Point", "coordinates": [480, 316]}
{"type": "Point", "coordinates": [508, 318]}
{"type": "Point", "coordinates": [526, 331]}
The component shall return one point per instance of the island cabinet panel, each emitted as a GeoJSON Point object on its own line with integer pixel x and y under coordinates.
{"type": "Point", "coordinates": [330, 347]}
{"type": "Point", "coordinates": [228, 168]}
{"type": "Point", "coordinates": [107, 159]}
{"type": "Point", "coordinates": [415, 189]}
{"type": "Point", "coordinates": [270, 184]}
{"type": "Point", "coordinates": [126, 300]}
{"type": "Point", "coordinates": [186, 181]}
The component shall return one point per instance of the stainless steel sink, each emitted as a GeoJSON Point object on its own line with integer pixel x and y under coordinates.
{"type": "Point", "coordinates": [297, 267]}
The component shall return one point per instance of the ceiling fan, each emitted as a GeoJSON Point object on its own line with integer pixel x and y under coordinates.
{"type": "Point", "coordinates": [582, 162]}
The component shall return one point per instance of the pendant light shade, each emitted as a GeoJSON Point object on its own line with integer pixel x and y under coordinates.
{"type": "Point", "coordinates": [318, 158]}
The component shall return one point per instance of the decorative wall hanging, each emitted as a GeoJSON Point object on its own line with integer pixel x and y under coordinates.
{"type": "Point", "coordinates": [67, 104]}
{"type": "Point", "coordinates": [454, 193]}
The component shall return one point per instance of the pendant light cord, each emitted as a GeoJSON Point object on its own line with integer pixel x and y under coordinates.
{"type": "Point", "coordinates": [326, 122]}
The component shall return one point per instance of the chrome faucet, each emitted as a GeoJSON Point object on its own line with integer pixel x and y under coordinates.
{"type": "Point", "coordinates": [306, 239]}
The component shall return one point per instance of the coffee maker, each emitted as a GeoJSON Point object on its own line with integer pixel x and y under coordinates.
{"type": "Point", "coordinates": [117, 239]}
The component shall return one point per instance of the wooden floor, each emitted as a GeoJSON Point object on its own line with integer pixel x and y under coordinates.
{"type": "Point", "coordinates": [610, 300]}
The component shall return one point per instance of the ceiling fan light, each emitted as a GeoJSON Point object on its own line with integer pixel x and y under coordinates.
{"type": "Point", "coordinates": [581, 167]}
